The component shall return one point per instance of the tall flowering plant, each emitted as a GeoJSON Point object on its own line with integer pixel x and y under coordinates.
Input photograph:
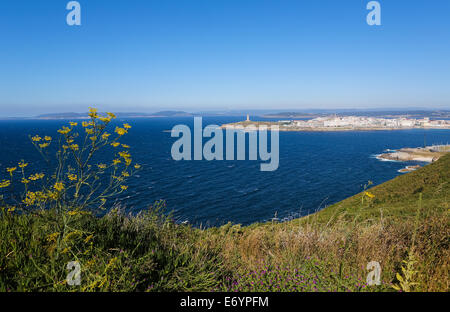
{"type": "Point", "coordinates": [77, 183]}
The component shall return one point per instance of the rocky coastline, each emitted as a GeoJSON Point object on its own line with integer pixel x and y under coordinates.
{"type": "Point", "coordinates": [421, 154]}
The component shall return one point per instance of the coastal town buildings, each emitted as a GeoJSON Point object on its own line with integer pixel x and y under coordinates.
{"type": "Point", "coordinates": [365, 122]}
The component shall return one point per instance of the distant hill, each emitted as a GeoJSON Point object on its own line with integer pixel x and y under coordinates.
{"type": "Point", "coordinates": [293, 115]}
{"type": "Point", "coordinates": [63, 116]}
{"type": "Point", "coordinates": [72, 115]}
{"type": "Point", "coordinates": [171, 114]}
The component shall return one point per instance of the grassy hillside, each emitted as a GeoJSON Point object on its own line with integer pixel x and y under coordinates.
{"type": "Point", "coordinates": [405, 219]}
{"type": "Point", "coordinates": [398, 198]}
{"type": "Point", "coordinates": [403, 224]}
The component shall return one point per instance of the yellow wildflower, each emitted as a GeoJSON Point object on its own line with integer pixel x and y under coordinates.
{"type": "Point", "coordinates": [111, 115]}
{"type": "Point", "coordinates": [120, 131]}
{"type": "Point", "coordinates": [93, 138]}
{"type": "Point", "coordinates": [47, 138]}
{"type": "Point", "coordinates": [58, 186]}
{"type": "Point", "coordinates": [124, 154]}
{"type": "Point", "coordinates": [44, 145]}
{"type": "Point", "coordinates": [115, 144]}
{"type": "Point", "coordinates": [5, 183]}
{"type": "Point", "coordinates": [125, 174]}
{"type": "Point", "coordinates": [74, 147]}
{"type": "Point", "coordinates": [73, 124]}
{"type": "Point", "coordinates": [116, 161]}
{"type": "Point", "coordinates": [89, 130]}
{"type": "Point", "coordinates": [52, 237]}
{"type": "Point", "coordinates": [105, 119]}
{"type": "Point", "coordinates": [64, 130]}
{"type": "Point", "coordinates": [72, 177]}
{"type": "Point", "coordinates": [105, 136]}
{"type": "Point", "coordinates": [52, 195]}
{"type": "Point", "coordinates": [36, 176]}
{"type": "Point", "coordinates": [11, 170]}
{"type": "Point", "coordinates": [25, 181]}
{"type": "Point", "coordinates": [126, 126]}
{"type": "Point", "coordinates": [93, 112]}
{"type": "Point", "coordinates": [101, 166]}
{"type": "Point", "coordinates": [124, 187]}
{"type": "Point", "coordinates": [370, 195]}
{"type": "Point", "coordinates": [23, 164]}
{"type": "Point", "coordinates": [30, 198]}
{"type": "Point", "coordinates": [11, 209]}
{"type": "Point", "coordinates": [36, 138]}
{"type": "Point", "coordinates": [137, 166]}
{"type": "Point", "coordinates": [125, 146]}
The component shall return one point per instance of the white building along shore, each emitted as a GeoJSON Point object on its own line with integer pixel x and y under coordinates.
{"type": "Point", "coordinates": [366, 122]}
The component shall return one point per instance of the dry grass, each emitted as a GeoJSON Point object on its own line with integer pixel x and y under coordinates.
{"type": "Point", "coordinates": [344, 248]}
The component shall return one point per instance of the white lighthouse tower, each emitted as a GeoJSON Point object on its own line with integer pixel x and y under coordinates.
{"type": "Point", "coordinates": [248, 117]}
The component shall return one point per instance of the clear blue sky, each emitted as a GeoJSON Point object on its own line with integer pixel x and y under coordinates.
{"type": "Point", "coordinates": [146, 55]}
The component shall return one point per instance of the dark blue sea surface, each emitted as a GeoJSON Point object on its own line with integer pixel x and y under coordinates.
{"type": "Point", "coordinates": [316, 169]}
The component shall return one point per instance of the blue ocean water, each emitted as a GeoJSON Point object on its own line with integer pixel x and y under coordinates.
{"type": "Point", "coordinates": [316, 169]}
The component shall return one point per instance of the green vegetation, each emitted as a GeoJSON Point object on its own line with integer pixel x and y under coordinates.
{"type": "Point", "coordinates": [116, 253]}
{"type": "Point", "coordinates": [398, 199]}
{"type": "Point", "coordinates": [403, 224]}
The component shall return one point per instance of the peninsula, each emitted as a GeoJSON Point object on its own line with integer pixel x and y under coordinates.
{"type": "Point", "coordinates": [346, 123]}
